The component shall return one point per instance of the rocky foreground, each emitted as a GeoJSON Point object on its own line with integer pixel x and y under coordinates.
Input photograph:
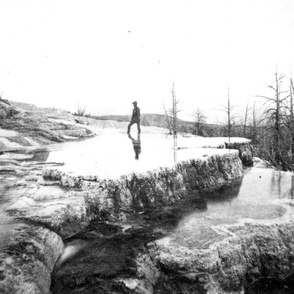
{"type": "Point", "coordinates": [23, 134]}
{"type": "Point", "coordinates": [82, 234]}
{"type": "Point", "coordinates": [50, 206]}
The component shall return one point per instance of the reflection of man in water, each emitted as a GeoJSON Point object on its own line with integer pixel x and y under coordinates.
{"type": "Point", "coordinates": [135, 118]}
{"type": "Point", "coordinates": [136, 145]}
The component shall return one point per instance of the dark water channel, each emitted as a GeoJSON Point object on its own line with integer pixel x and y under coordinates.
{"type": "Point", "coordinates": [97, 259]}
{"type": "Point", "coordinates": [273, 286]}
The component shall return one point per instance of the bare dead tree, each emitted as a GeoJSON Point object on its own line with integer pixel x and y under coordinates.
{"type": "Point", "coordinates": [254, 124]}
{"type": "Point", "coordinates": [171, 114]}
{"type": "Point", "coordinates": [229, 109]}
{"type": "Point", "coordinates": [291, 90]}
{"type": "Point", "coordinates": [275, 116]}
{"type": "Point", "coordinates": [174, 114]}
{"type": "Point", "coordinates": [174, 110]}
{"type": "Point", "coordinates": [168, 119]}
{"type": "Point", "coordinates": [200, 120]}
{"type": "Point", "coordinates": [245, 120]}
{"type": "Point", "coordinates": [289, 121]}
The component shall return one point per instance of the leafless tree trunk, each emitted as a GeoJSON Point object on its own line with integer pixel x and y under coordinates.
{"type": "Point", "coordinates": [168, 119]}
{"type": "Point", "coordinates": [292, 117]}
{"type": "Point", "coordinates": [245, 121]}
{"type": "Point", "coordinates": [274, 117]}
{"type": "Point", "coordinates": [200, 120]}
{"type": "Point", "coordinates": [172, 114]}
{"type": "Point", "coordinates": [230, 115]}
{"type": "Point", "coordinates": [174, 110]}
{"type": "Point", "coordinates": [254, 124]}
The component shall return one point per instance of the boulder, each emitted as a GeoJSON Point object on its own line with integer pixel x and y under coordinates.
{"type": "Point", "coordinates": [28, 260]}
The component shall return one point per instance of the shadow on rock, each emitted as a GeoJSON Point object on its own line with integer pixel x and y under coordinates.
{"type": "Point", "coordinates": [104, 255]}
{"type": "Point", "coordinates": [272, 286]}
{"type": "Point", "coordinates": [108, 257]}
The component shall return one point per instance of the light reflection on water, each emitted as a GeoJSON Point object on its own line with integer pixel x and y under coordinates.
{"type": "Point", "coordinates": [113, 155]}
{"type": "Point", "coordinates": [258, 197]}
{"type": "Point", "coordinates": [70, 250]}
{"type": "Point", "coordinates": [264, 196]}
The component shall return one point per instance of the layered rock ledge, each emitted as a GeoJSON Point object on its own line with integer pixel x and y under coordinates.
{"type": "Point", "coordinates": [28, 259]}
{"type": "Point", "coordinates": [43, 207]}
{"type": "Point", "coordinates": [240, 256]}
{"type": "Point", "coordinates": [230, 249]}
{"type": "Point", "coordinates": [21, 128]}
{"type": "Point", "coordinates": [224, 249]}
{"type": "Point", "coordinates": [49, 204]}
{"type": "Point", "coordinates": [82, 199]}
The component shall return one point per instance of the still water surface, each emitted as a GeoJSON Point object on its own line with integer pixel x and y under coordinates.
{"type": "Point", "coordinates": [261, 196]}
{"type": "Point", "coordinates": [113, 155]}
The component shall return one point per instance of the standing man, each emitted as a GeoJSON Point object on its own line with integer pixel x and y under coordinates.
{"type": "Point", "coordinates": [135, 118]}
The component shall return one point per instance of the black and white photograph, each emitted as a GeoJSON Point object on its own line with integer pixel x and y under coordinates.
{"type": "Point", "coordinates": [146, 147]}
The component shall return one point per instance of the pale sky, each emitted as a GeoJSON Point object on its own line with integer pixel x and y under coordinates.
{"type": "Point", "coordinates": [106, 54]}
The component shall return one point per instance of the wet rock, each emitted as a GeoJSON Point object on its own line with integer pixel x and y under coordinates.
{"type": "Point", "coordinates": [147, 275]}
{"type": "Point", "coordinates": [28, 260]}
{"type": "Point", "coordinates": [19, 140]}
{"type": "Point", "coordinates": [24, 155]}
{"type": "Point", "coordinates": [81, 121]}
{"type": "Point", "coordinates": [146, 191]}
{"type": "Point", "coordinates": [272, 286]}
{"type": "Point", "coordinates": [64, 179]}
{"type": "Point", "coordinates": [245, 151]}
{"type": "Point", "coordinates": [7, 169]}
{"type": "Point", "coordinates": [66, 215]}
{"type": "Point", "coordinates": [107, 264]}
{"type": "Point", "coordinates": [243, 256]}
{"type": "Point", "coordinates": [260, 163]}
{"type": "Point", "coordinates": [115, 199]}
{"type": "Point", "coordinates": [69, 211]}
{"type": "Point", "coordinates": [70, 206]}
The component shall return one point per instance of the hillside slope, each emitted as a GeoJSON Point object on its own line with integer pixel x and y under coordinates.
{"type": "Point", "coordinates": [159, 120]}
{"type": "Point", "coordinates": [19, 127]}
{"type": "Point", "coordinates": [147, 119]}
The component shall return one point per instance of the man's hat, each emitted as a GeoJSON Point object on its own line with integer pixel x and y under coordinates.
{"type": "Point", "coordinates": [135, 102]}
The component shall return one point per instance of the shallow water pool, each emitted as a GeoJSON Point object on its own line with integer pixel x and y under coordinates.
{"type": "Point", "coordinates": [113, 155]}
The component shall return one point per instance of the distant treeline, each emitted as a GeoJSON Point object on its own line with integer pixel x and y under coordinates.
{"type": "Point", "coordinates": [160, 120]}
{"type": "Point", "coordinates": [271, 141]}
